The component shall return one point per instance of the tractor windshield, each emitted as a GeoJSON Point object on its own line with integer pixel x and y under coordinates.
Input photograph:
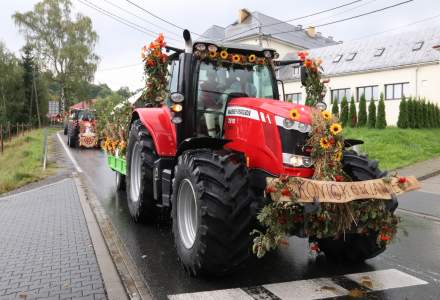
{"type": "Point", "coordinates": [217, 83]}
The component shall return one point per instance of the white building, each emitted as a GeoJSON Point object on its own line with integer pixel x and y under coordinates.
{"type": "Point", "coordinates": [401, 64]}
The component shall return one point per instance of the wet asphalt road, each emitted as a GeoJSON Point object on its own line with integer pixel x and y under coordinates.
{"type": "Point", "coordinates": [151, 246]}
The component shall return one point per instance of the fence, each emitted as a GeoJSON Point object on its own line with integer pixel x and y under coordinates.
{"type": "Point", "coordinates": [8, 131]}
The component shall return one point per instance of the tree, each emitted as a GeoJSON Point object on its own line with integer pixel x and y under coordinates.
{"type": "Point", "coordinates": [352, 115]}
{"type": "Point", "coordinates": [372, 114]}
{"type": "Point", "coordinates": [344, 111]}
{"type": "Point", "coordinates": [410, 111]}
{"type": "Point", "coordinates": [402, 121]}
{"type": "Point", "coordinates": [335, 108]}
{"type": "Point", "coordinates": [362, 117]}
{"type": "Point", "coordinates": [64, 45]}
{"type": "Point", "coordinates": [381, 122]}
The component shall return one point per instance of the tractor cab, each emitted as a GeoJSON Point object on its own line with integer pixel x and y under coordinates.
{"type": "Point", "coordinates": [206, 76]}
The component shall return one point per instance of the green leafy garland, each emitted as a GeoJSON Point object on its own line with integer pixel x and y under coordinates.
{"type": "Point", "coordinates": [315, 88]}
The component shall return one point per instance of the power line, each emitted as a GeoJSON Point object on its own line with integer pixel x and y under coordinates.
{"type": "Point", "coordinates": [121, 20]}
{"type": "Point", "coordinates": [141, 18]}
{"type": "Point", "coordinates": [353, 17]}
{"type": "Point", "coordinates": [294, 19]}
{"type": "Point", "coordinates": [160, 18]}
{"type": "Point", "coordinates": [395, 28]}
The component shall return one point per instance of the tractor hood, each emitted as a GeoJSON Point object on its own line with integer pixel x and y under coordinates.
{"type": "Point", "coordinates": [274, 107]}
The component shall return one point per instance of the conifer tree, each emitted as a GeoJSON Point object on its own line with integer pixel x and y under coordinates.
{"type": "Point", "coordinates": [381, 122]}
{"type": "Point", "coordinates": [344, 111]}
{"type": "Point", "coordinates": [410, 110]}
{"type": "Point", "coordinates": [362, 116]}
{"type": "Point", "coordinates": [402, 121]}
{"type": "Point", "coordinates": [372, 114]}
{"type": "Point", "coordinates": [352, 115]}
{"type": "Point", "coordinates": [335, 108]}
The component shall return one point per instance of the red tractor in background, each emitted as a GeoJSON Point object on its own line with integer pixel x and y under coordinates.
{"type": "Point", "coordinates": [81, 129]}
{"type": "Point", "coordinates": [204, 157]}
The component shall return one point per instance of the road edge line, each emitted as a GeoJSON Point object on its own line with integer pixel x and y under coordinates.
{"type": "Point", "coordinates": [420, 215]}
{"type": "Point", "coordinates": [131, 278]}
{"type": "Point", "coordinates": [69, 154]}
{"type": "Point", "coordinates": [112, 282]}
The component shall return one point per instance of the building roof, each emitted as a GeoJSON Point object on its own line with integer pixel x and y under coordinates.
{"type": "Point", "coordinates": [296, 35]}
{"type": "Point", "coordinates": [84, 104]}
{"type": "Point", "coordinates": [363, 55]}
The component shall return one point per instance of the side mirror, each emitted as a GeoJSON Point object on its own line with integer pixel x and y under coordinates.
{"type": "Point", "coordinates": [304, 75]}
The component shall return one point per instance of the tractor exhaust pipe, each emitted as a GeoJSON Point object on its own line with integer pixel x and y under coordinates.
{"type": "Point", "coordinates": [188, 41]}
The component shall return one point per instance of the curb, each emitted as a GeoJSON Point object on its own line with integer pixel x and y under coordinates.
{"type": "Point", "coordinates": [130, 279]}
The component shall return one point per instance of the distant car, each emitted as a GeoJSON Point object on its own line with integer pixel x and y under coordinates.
{"type": "Point", "coordinates": [81, 129]}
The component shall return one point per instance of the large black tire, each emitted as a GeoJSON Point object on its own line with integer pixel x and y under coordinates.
{"type": "Point", "coordinates": [355, 248]}
{"type": "Point", "coordinates": [72, 137]}
{"type": "Point", "coordinates": [141, 155]}
{"type": "Point", "coordinates": [65, 130]}
{"type": "Point", "coordinates": [119, 181]}
{"type": "Point", "coordinates": [224, 211]}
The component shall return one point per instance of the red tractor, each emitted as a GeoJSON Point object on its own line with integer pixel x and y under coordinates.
{"type": "Point", "coordinates": [204, 157]}
{"type": "Point", "coordinates": [81, 129]}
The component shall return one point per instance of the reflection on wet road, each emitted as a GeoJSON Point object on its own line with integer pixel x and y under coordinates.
{"type": "Point", "coordinates": [151, 247]}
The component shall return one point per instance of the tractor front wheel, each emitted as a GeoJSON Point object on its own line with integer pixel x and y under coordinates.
{"type": "Point", "coordinates": [212, 211]}
{"type": "Point", "coordinates": [355, 248]}
{"type": "Point", "coordinates": [141, 155]}
{"type": "Point", "coordinates": [72, 138]}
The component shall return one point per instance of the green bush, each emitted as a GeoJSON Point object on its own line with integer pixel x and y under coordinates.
{"type": "Point", "coordinates": [402, 121]}
{"type": "Point", "coordinates": [335, 108]}
{"type": "Point", "coordinates": [344, 111]}
{"type": "Point", "coordinates": [362, 116]}
{"type": "Point", "coordinates": [352, 115]}
{"type": "Point", "coordinates": [381, 122]}
{"type": "Point", "coordinates": [411, 112]}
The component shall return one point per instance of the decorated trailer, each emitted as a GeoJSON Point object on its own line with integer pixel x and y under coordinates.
{"type": "Point", "coordinates": [238, 170]}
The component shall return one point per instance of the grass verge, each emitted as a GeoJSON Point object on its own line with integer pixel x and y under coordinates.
{"type": "Point", "coordinates": [21, 161]}
{"type": "Point", "coordinates": [394, 147]}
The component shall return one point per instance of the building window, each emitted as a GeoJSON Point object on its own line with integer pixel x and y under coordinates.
{"type": "Point", "coordinates": [294, 97]}
{"type": "Point", "coordinates": [396, 90]}
{"type": "Point", "coordinates": [351, 56]}
{"type": "Point", "coordinates": [338, 94]}
{"type": "Point", "coordinates": [417, 46]}
{"type": "Point", "coordinates": [295, 71]}
{"type": "Point", "coordinates": [379, 51]}
{"type": "Point", "coordinates": [337, 58]}
{"type": "Point", "coordinates": [370, 92]}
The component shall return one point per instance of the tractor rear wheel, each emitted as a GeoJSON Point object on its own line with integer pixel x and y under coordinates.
{"type": "Point", "coordinates": [72, 138]}
{"type": "Point", "coordinates": [355, 248]}
{"type": "Point", "coordinates": [212, 211]}
{"type": "Point", "coordinates": [141, 155]}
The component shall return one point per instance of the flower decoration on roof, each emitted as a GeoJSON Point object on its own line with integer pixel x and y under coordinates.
{"type": "Point", "coordinates": [224, 56]}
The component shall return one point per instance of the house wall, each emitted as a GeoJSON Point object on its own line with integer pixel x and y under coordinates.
{"type": "Point", "coordinates": [281, 48]}
{"type": "Point", "coordinates": [424, 82]}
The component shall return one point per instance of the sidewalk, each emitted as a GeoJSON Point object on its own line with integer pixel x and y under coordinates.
{"type": "Point", "coordinates": [422, 170]}
{"type": "Point", "coordinates": [45, 246]}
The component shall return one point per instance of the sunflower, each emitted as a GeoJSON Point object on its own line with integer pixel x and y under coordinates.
{"type": "Point", "coordinates": [224, 54]}
{"type": "Point", "coordinates": [326, 115]}
{"type": "Point", "coordinates": [338, 155]}
{"type": "Point", "coordinates": [252, 58]}
{"type": "Point", "coordinates": [335, 128]}
{"type": "Point", "coordinates": [212, 54]}
{"type": "Point", "coordinates": [294, 114]}
{"type": "Point", "coordinates": [236, 58]}
{"type": "Point", "coordinates": [324, 142]}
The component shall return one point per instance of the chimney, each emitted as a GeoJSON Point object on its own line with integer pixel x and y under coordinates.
{"type": "Point", "coordinates": [311, 31]}
{"type": "Point", "coordinates": [299, 27]}
{"type": "Point", "coordinates": [243, 14]}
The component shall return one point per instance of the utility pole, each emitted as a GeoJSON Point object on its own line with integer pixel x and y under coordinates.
{"type": "Point", "coordinates": [36, 98]}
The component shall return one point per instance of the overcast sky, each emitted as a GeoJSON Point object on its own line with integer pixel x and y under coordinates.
{"type": "Point", "coordinates": [119, 45]}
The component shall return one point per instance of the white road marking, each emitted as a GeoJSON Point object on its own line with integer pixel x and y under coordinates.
{"type": "Point", "coordinates": [386, 279]}
{"type": "Point", "coordinates": [77, 167]}
{"type": "Point", "coordinates": [307, 289]}
{"type": "Point", "coordinates": [229, 294]}
{"type": "Point", "coordinates": [319, 288]}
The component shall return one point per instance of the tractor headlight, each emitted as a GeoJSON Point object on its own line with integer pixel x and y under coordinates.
{"type": "Point", "coordinates": [321, 105]}
{"type": "Point", "coordinates": [267, 54]}
{"type": "Point", "coordinates": [88, 129]}
{"type": "Point", "coordinates": [177, 97]}
{"type": "Point", "coordinates": [212, 48]}
{"type": "Point", "coordinates": [297, 160]}
{"type": "Point", "coordinates": [201, 47]}
{"type": "Point", "coordinates": [288, 123]}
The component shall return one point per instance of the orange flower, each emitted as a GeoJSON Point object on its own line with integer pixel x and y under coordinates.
{"type": "Point", "coordinates": [384, 238]}
{"type": "Point", "coordinates": [164, 57]}
{"type": "Point", "coordinates": [294, 114]}
{"type": "Point", "coordinates": [308, 63]}
{"type": "Point", "coordinates": [150, 63]}
{"type": "Point", "coordinates": [302, 55]}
